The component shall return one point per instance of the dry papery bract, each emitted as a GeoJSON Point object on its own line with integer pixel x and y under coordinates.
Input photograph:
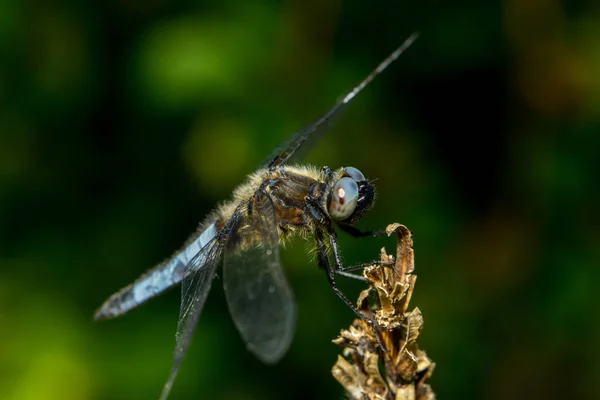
{"type": "Point", "coordinates": [366, 371]}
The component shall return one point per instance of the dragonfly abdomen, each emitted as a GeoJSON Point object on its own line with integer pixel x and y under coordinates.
{"type": "Point", "coordinates": [158, 279]}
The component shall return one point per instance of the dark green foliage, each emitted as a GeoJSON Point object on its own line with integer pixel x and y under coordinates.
{"type": "Point", "coordinates": [115, 122]}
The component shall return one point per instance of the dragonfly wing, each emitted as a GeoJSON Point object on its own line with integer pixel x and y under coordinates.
{"type": "Point", "coordinates": [199, 274]}
{"type": "Point", "coordinates": [302, 140]}
{"type": "Point", "coordinates": [259, 297]}
{"type": "Point", "coordinates": [157, 280]}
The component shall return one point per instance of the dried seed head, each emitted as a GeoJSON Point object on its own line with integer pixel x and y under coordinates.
{"type": "Point", "coordinates": [399, 372]}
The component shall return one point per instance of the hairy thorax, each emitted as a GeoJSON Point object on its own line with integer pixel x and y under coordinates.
{"type": "Point", "coordinates": [287, 188]}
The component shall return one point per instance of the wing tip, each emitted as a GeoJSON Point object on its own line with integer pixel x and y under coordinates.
{"type": "Point", "coordinates": [270, 357]}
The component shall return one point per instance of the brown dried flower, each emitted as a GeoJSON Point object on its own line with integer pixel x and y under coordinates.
{"type": "Point", "coordinates": [398, 371]}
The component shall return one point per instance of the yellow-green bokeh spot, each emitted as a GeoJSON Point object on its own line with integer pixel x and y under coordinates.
{"type": "Point", "coordinates": [185, 59]}
{"type": "Point", "coordinates": [218, 154]}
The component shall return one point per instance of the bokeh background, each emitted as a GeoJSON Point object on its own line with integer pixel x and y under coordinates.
{"type": "Point", "coordinates": [123, 123]}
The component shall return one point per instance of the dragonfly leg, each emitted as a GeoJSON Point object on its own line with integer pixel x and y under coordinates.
{"type": "Point", "coordinates": [343, 268]}
{"type": "Point", "coordinates": [325, 262]}
{"type": "Point", "coordinates": [355, 232]}
{"type": "Point", "coordinates": [352, 276]}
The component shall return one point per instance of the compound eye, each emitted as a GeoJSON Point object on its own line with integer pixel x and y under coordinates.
{"type": "Point", "coordinates": [354, 174]}
{"type": "Point", "coordinates": [343, 199]}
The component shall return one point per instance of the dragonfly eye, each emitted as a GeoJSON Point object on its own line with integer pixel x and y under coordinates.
{"type": "Point", "coordinates": [343, 199]}
{"type": "Point", "coordinates": [354, 174]}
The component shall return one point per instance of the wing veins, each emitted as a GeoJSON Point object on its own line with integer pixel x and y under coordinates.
{"type": "Point", "coordinates": [196, 284]}
{"type": "Point", "coordinates": [259, 298]}
{"type": "Point", "coordinates": [286, 150]}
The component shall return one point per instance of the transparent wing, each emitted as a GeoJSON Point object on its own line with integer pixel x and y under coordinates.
{"type": "Point", "coordinates": [307, 136]}
{"type": "Point", "coordinates": [199, 274]}
{"type": "Point", "coordinates": [157, 280]}
{"type": "Point", "coordinates": [259, 297]}
{"type": "Point", "coordinates": [301, 141]}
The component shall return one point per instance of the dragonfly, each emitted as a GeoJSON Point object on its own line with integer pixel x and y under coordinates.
{"type": "Point", "coordinates": [276, 202]}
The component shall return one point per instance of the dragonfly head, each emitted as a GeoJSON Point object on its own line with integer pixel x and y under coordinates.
{"type": "Point", "coordinates": [351, 196]}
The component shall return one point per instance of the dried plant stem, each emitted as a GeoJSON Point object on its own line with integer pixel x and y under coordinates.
{"type": "Point", "coordinates": [398, 371]}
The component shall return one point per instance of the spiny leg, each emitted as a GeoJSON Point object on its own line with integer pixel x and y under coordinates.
{"type": "Point", "coordinates": [326, 264]}
{"type": "Point", "coordinates": [349, 275]}
{"type": "Point", "coordinates": [344, 269]}
{"type": "Point", "coordinates": [355, 232]}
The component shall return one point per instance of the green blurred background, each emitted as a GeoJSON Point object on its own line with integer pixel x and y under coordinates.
{"type": "Point", "coordinates": [123, 123]}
